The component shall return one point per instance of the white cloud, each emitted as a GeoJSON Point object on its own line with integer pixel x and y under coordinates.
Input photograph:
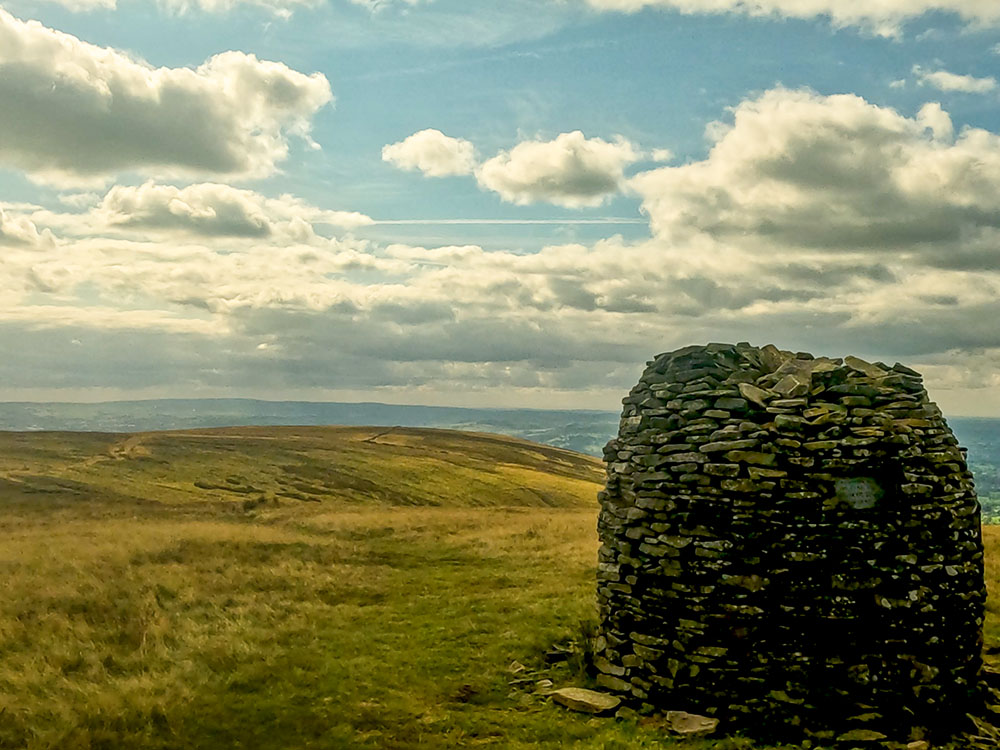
{"type": "Point", "coordinates": [79, 199]}
{"type": "Point", "coordinates": [22, 232]}
{"type": "Point", "coordinates": [281, 8]}
{"type": "Point", "coordinates": [933, 118]}
{"type": "Point", "coordinates": [20, 206]}
{"type": "Point", "coordinates": [146, 323]}
{"type": "Point", "coordinates": [834, 173]}
{"type": "Point", "coordinates": [75, 113]}
{"type": "Point", "coordinates": [945, 81]}
{"type": "Point", "coordinates": [572, 170]}
{"type": "Point", "coordinates": [884, 17]}
{"type": "Point", "coordinates": [433, 153]}
{"type": "Point", "coordinates": [377, 5]}
{"type": "Point", "coordinates": [79, 6]}
{"type": "Point", "coordinates": [190, 277]}
{"type": "Point", "coordinates": [211, 209]}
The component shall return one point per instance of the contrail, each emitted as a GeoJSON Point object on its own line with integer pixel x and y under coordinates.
{"type": "Point", "coordinates": [605, 220]}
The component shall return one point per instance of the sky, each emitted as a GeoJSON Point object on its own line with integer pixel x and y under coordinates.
{"type": "Point", "coordinates": [510, 203]}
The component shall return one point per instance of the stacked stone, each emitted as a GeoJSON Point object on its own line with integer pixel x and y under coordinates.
{"type": "Point", "coordinates": [789, 544]}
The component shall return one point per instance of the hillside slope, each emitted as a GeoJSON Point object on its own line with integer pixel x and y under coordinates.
{"type": "Point", "coordinates": [261, 465]}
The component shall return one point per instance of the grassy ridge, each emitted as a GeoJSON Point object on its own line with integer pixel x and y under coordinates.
{"type": "Point", "coordinates": [393, 466]}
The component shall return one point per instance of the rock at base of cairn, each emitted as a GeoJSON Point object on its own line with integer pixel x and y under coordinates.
{"type": "Point", "coordinates": [588, 701]}
{"type": "Point", "coordinates": [690, 725]}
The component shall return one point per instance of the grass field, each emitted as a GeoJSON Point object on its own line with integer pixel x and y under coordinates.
{"type": "Point", "coordinates": [352, 465]}
{"type": "Point", "coordinates": [140, 610]}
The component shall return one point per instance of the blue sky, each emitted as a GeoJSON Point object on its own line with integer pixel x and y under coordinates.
{"type": "Point", "coordinates": [492, 203]}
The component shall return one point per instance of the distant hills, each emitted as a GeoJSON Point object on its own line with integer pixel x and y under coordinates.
{"type": "Point", "coordinates": [982, 437]}
{"type": "Point", "coordinates": [584, 431]}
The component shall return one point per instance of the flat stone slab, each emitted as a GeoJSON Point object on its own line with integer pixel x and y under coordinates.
{"type": "Point", "coordinates": [588, 701]}
{"type": "Point", "coordinates": [690, 725]}
{"type": "Point", "coordinates": [861, 735]}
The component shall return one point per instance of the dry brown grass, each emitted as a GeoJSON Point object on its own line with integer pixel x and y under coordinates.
{"type": "Point", "coordinates": [296, 627]}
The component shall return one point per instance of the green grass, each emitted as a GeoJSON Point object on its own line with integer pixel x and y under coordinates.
{"type": "Point", "coordinates": [131, 618]}
{"type": "Point", "coordinates": [292, 629]}
{"type": "Point", "coordinates": [390, 466]}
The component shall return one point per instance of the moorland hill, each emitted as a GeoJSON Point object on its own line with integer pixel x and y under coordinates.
{"type": "Point", "coordinates": [260, 465]}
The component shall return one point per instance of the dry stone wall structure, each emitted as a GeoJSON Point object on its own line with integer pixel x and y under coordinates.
{"type": "Point", "coordinates": [789, 544]}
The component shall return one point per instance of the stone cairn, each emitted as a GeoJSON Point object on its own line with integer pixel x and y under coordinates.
{"type": "Point", "coordinates": [791, 545]}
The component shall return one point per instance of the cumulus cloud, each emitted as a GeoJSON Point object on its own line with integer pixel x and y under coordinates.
{"type": "Point", "coordinates": [797, 169]}
{"type": "Point", "coordinates": [74, 112]}
{"type": "Point", "coordinates": [945, 81]}
{"type": "Point", "coordinates": [211, 209]}
{"type": "Point", "coordinates": [21, 231]}
{"type": "Point", "coordinates": [884, 18]}
{"type": "Point", "coordinates": [571, 170]}
{"type": "Point", "coordinates": [433, 153]}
